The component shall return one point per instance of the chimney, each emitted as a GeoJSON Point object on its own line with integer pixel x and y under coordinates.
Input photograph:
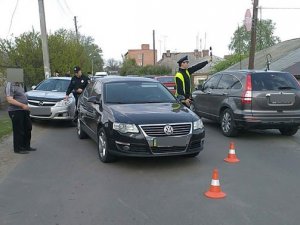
{"type": "Point", "coordinates": [168, 53]}
{"type": "Point", "coordinates": [205, 53]}
{"type": "Point", "coordinates": [145, 47]}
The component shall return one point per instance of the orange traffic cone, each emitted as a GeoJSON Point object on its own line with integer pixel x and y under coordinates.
{"type": "Point", "coordinates": [231, 157]}
{"type": "Point", "coordinates": [215, 189]}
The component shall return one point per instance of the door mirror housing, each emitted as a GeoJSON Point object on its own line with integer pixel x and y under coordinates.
{"type": "Point", "coordinates": [95, 99]}
{"type": "Point", "coordinates": [180, 98]}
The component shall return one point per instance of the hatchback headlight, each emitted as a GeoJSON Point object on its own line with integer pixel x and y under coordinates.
{"type": "Point", "coordinates": [198, 124]}
{"type": "Point", "coordinates": [125, 128]}
{"type": "Point", "coordinates": [63, 103]}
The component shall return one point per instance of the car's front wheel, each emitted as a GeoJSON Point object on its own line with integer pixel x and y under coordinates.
{"type": "Point", "coordinates": [288, 131]}
{"type": "Point", "coordinates": [227, 123]}
{"type": "Point", "coordinates": [103, 148]}
{"type": "Point", "coordinates": [81, 134]}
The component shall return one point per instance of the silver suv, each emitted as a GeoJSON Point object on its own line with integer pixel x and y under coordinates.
{"type": "Point", "coordinates": [250, 99]}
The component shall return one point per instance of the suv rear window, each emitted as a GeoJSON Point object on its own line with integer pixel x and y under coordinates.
{"type": "Point", "coordinates": [273, 81]}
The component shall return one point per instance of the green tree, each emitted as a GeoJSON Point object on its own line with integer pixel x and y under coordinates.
{"type": "Point", "coordinates": [229, 61]}
{"type": "Point", "coordinates": [240, 42]}
{"type": "Point", "coordinates": [65, 52]}
{"type": "Point", "coordinates": [129, 67]}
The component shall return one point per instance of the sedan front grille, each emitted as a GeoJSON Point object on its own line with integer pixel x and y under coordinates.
{"type": "Point", "coordinates": [41, 103]}
{"type": "Point", "coordinates": [158, 130]}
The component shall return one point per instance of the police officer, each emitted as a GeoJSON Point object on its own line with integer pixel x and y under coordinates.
{"type": "Point", "coordinates": [183, 78]}
{"type": "Point", "coordinates": [18, 111]}
{"type": "Point", "coordinates": [77, 85]}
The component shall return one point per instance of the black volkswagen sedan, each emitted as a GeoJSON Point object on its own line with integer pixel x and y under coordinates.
{"type": "Point", "coordinates": [133, 116]}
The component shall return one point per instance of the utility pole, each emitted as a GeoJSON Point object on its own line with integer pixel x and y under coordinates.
{"type": "Point", "coordinates": [154, 58]}
{"type": "Point", "coordinates": [253, 35]}
{"type": "Point", "coordinates": [76, 29]}
{"type": "Point", "coordinates": [44, 39]}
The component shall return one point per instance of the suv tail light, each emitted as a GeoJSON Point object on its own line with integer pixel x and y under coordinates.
{"type": "Point", "coordinates": [247, 92]}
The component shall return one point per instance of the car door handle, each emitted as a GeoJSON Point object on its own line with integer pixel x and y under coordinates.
{"type": "Point", "coordinates": [224, 93]}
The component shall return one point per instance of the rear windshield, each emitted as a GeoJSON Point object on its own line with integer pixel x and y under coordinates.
{"type": "Point", "coordinates": [165, 79]}
{"type": "Point", "coordinates": [273, 81]}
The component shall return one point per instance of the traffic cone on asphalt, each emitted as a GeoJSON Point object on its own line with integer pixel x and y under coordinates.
{"type": "Point", "coordinates": [231, 157]}
{"type": "Point", "coordinates": [215, 189]}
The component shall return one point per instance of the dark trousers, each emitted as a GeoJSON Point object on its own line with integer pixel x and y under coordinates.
{"type": "Point", "coordinates": [22, 127]}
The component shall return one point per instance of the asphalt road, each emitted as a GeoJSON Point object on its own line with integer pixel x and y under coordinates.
{"type": "Point", "coordinates": [64, 183]}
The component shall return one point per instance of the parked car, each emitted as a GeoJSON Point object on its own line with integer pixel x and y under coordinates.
{"type": "Point", "coordinates": [250, 99]}
{"type": "Point", "coordinates": [134, 116]}
{"type": "Point", "coordinates": [168, 81]}
{"type": "Point", "coordinates": [46, 100]}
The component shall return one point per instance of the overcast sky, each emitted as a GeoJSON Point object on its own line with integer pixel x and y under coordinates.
{"type": "Point", "coordinates": [119, 25]}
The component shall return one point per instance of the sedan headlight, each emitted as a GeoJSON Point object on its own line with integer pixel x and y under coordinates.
{"type": "Point", "coordinates": [198, 124]}
{"type": "Point", "coordinates": [125, 128]}
{"type": "Point", "coordinates": [63, 103]}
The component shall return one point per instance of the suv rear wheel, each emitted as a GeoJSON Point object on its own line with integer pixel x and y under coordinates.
{"type": "Point", "coordinates": [227, 123]}
{"type": "Point", "coordinates": [288, 131]}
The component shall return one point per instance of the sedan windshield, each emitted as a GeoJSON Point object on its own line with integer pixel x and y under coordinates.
{"type": "Point", "coordinates": [57, 85]}
{"type": "Point", "coordinates": [136, 92]}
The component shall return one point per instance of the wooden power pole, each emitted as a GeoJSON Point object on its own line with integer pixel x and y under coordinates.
{"type": "Point", "coordinates": [253, 35]}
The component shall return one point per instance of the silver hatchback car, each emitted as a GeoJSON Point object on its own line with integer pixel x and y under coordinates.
{"type": "Point", "coordinates": [46, 100]}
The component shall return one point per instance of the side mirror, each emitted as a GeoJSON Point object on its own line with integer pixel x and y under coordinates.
{"type": "Point", "coordinates": [199, 87]}
{"type": "Point", "coordinates": [33, 87]}
{"type": "Point", "coordinates": [180, 98]}
{"type": "Point", "coordinates": [95, 99]}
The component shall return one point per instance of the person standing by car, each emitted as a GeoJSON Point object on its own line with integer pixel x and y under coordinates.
{"type": "Point", "coordinates": [77, 85]}
{"type": "Point", "coordinates": [183, 78]}
{"type": "Point", "coordinates": [18, 111]}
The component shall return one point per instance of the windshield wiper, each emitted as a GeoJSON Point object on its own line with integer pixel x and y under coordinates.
{"type": "Point", "coordinates": [285, 88]}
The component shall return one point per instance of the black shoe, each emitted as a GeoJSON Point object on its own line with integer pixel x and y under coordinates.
{"type": "Point", "coordinates": [30, 149]}
{"type": "Point", "coordinates": [22, 152]}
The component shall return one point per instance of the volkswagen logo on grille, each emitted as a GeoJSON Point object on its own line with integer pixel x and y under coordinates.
{"type": "Point", "coordinates": [168, 130]}
{"type": "Point", "coordinates": [41, 103]}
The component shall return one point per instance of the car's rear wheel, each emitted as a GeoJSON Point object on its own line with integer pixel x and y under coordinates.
{"type": "Point", "coordinates": [103, 148]}
{"type": "Point", "coordinates": [288, 131]}
{"type": "Point", "coordinates": [227, 123]}
{"type": "Point", "coordinates": [81, 134]}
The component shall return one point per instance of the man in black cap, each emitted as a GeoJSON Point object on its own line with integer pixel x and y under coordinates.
{"type": "Point", "coordinates": [77, 85]}
{"type": "Point", "coordinates": [183, 78]}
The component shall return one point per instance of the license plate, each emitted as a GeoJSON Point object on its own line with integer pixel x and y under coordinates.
{"type": "Point", "coordinates": [40, 111]}
{"type": "Point", "coordinates": [169, 141]}
{"type": "Point", "coordinates": [282, 98]}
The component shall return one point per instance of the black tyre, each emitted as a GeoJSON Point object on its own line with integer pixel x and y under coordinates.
{"type": "Point", "coordinates": [103, 148]}
{"type": "Point", "coordinates": [81, 134]}
{"type": "Point", "coordinates": [288, 131]}
{"type": "Point", "coordinates": [227, 123]}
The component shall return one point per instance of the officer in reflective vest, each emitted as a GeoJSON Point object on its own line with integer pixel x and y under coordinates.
{"type": "Point", "coordinates": [183, 78]}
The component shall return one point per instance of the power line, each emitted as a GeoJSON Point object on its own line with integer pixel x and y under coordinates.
{"type": "Point", "coordinates": [67, 6]}
{"type": "Point", "coordinates": [12, 16]}
{"type": "Point", "coordinates": [260, 7]}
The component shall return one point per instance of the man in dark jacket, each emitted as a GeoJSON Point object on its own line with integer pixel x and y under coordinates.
{"type": "Point", "coordinates": [183, 78]}
{"type": "Point", "coordinates": [18, 111]}
{"type": "Point", "coordinates": [77, 85]}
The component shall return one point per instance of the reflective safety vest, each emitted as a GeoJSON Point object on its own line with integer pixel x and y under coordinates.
{"type": "Point", "coordinates": [180, 76]}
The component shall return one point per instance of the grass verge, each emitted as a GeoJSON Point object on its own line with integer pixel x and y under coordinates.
{"type": "Point", "coordinates": [5, 126]}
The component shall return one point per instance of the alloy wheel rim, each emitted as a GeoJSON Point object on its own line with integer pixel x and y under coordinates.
{"type": "Point", "coordinates": [102, 145]}
{"type": "Point", "coordinates": [78, 127]}
{"type": "Point", "coordinates": [226, 122]}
